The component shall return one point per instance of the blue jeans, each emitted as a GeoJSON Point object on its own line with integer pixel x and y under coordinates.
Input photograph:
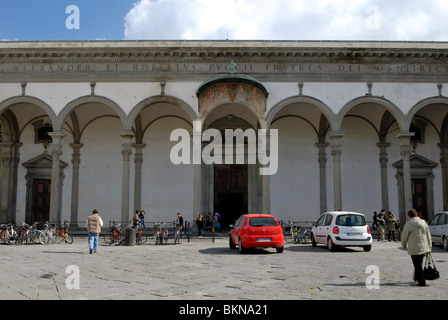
{"type": "Point", "coordinates": [93, 241]}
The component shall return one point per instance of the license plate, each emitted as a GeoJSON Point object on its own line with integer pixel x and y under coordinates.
{"type": "Point", "coordinates": [264, 239]}
{"type": "Point", "coordinates": [354, 234]}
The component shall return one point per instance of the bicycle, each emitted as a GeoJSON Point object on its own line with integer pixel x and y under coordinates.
{"type": "Point", "coordinates": [22, 237]}
{"type": "Point", "coordinates": [114, 235]}
{"type": "Point", "coordinates": [63, 235]}
{"type": "Point", "coordinates": [140, 238]}
{"type": "Point", "coordinates": [161, 235]}
{"type": "Point", "coordinates": [9, 233]}
{"type": "Point", "coordinates": [47, 235]}
{"type": "Point", "coordinates": [3, 233]}
{"type": "Point", "coordinates": [33, 233]}
{"type": "Point", "coordinates": [304, 235]}
{"type": "Point", "coordinates": [292, 235]}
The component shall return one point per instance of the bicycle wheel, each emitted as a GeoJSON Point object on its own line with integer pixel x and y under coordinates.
{"type": "Point", "coordinates": [33, 237]}
{"type": "Point", "coordinates": [19, 239]}
{"type": "Point", "coordinates": [109, 237]}
{"type": "Point", "coordinates": [119, 240]}
{"type": "Point", "coordinates": [68, 238]}
{"type": "Point", "coordinates": [58, 237]}
{"type": "Point", "coordinates": [143, 238]}
{"type": "Point", "coordinates": [44, 238]}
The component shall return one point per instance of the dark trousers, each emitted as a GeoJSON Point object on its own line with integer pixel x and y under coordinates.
{"type": "Point", "coordinates": [393, 235]}
{"type": "Point", "coordinates": [418, 269]}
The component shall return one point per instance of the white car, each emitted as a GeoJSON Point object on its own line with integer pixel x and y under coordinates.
{"type": "Point", "coordinates": [342, 229]}
{"type": "Point", "coordinates": [438, 227]}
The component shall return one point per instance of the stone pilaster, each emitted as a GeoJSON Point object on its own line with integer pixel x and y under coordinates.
{"type": "Point", "coordinates": [56, 183]}
{"type": "Point", "coordinates": [76, 160]}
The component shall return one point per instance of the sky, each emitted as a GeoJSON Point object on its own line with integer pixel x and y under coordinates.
{"type": "Point", "coordinates": [378, 20]}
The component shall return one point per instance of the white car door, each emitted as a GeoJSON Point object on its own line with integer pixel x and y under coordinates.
{"type": "Point", "coordinates": [434, 229]}
{"type": "Point", "coordinates": [319, 230]}
{"type": "Point", "coordinates": [442, 225]}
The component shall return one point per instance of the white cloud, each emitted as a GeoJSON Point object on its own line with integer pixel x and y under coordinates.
{"type": "Point", "coordinates": [407, 20]}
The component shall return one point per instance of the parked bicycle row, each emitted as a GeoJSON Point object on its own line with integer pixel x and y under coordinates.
{"type": "Point", "coordinates": [29, 234]}
{"type": "Point", "coordinates": [117, 234]}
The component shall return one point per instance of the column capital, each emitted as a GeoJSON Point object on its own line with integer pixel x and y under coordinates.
{"type": "Point", "coordinates": [76, 147]}
{"type": "Point", "coordinates": [56, 136]}
{"type": "Point", "coordinates": [405, 136]}
{"type": "Point", "coordinates": [336, 135]}
{"type": "Point", "coordinates": [383, 145]}
{"type": "Point", "coordinates": [127, 135]}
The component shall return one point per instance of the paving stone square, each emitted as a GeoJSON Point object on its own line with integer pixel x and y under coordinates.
{"type": "Point", "coordinates": [205, 270]}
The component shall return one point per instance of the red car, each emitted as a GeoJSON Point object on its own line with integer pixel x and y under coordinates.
{"type": "Point", "coordinates": [256, 231]}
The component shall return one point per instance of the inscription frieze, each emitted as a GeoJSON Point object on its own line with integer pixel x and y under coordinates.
{"type": "Point", "coordinates": [217, 68]}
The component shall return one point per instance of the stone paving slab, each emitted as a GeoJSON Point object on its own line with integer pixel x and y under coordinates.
{"type": "Point", "coordinates": [203, 270]}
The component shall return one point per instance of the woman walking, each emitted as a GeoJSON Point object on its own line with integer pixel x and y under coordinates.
{"type": "Point", "coordinates": [417, 238]}
{"type": "Point", "coordinates": [200, 224]}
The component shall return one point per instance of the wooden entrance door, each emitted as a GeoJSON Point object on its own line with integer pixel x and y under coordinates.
{"type": "Point", "coordinates": [40, 211]}
{"type": "Point", "coordinates": [230, 192]}
{"type": "Point", "coordinates": [419, 197]}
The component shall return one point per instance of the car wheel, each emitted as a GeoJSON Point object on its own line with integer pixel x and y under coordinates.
{"type": "Point", "coordinates": [231, 244]}
{"type": "Point", "coordinates": [313, 241]}
{"type": "Point", "coordinates": [279, 250]}
{"type": "Point", "coordinates": [367, 248]}
{"type": "Point", "coordinates": [445, 243]}
{"type": "Point", "coordinates": [241, 248]}
{"type": "Point", "coordinates": [331, 246]}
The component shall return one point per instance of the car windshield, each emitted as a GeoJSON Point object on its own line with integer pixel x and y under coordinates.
{"type": "Point", "coordinates": [262, 222]}
{"type": "Point", "coordinates": [352, 220]}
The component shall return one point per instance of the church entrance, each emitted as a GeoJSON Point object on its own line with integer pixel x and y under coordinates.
{"type": "Point", "coordinates": [40, 211]}
{"type": "Point", "coordinates": [419, 198]}
{"type": "Point", "coordinates": [230, 192]}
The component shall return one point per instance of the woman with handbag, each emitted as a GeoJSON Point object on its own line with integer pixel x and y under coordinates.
{"type": "Point", "coordinates": [417, 238]}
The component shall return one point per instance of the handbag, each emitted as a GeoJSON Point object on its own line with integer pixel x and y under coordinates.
{"type": "Point", "coordinates": [430, 271]}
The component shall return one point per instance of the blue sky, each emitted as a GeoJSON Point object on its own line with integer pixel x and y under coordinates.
{"type": "Point", "coordinates": [391, 20]}
{"type": "Point", "coordinates": [45, 19]}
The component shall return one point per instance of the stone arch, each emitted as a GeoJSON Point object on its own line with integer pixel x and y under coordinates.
{"type": "Point", "coordinates": [232, 90]}
{"type": "Point", "coordinates": [89, 99]}
{"type": "Point", "coordinates": [10, 127]}
{"type": "Point", "coordinates": [326, 111]}
{"type": "Point", "coordinates": [391, 107]}
{"type": "Point", "coordinates": [420, 105]}
{"type": "Point", "coordinates": [155, 100]}
{"type": "Point", "coordinates": [5, 104]}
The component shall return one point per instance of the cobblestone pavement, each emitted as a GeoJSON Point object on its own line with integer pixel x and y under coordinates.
{"type": "Point", "coordinates": [202, 269]}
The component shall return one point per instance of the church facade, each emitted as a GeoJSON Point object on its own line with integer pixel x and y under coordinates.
{"type": "Point", "coordinates": [356, 126]}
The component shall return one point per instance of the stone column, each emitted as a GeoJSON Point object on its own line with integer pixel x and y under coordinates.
{"type": "Point", "coordinates": [322, 158]}
{"type": "Point", "coordinates": [336, 151]}
{"type": "Point", "coordinates": [197, 165]}
{"type": "Point", "coordinates": [56, 192]}
{"type": "Point", "coordinates": [405, 151]}
{"type": "Point", "coordinates": [444, 163]}
{"type": "Point", "coordinates": [76, 160]}
{"type": "Point", "coordinates": [265, 178]}
{"type": "Point", "coordinates": [126, 151]}
{"type": "Point", "coordinates": [138, 160]}
{"type": "Point", "coordinates": [383, 164]}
